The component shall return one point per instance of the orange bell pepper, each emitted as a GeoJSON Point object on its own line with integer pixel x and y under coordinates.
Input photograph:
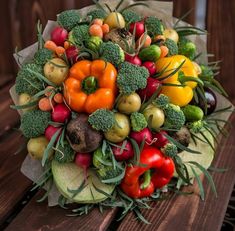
{"type": "Point", "coordinates": [91, 85]}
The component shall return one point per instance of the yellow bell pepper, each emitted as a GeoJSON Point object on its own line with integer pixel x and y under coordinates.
{"type": "Point", "coordinates": [179, 95]}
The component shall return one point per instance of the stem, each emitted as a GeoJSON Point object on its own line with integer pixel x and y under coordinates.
{"type": "Point", "coordinates": [89, 84]}
{"type": "Point", "coordinates": [184, 79]}
{"type": "Point", "coordinates": [147, 180]}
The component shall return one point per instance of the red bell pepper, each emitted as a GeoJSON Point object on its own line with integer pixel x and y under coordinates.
{"type": "Point", "coordinates": [138, 181]}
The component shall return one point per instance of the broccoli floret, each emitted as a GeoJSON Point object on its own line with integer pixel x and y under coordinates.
{"type": "Point", "coordinates": [79, 35]}
{"type": "Point", "coordinates": [42, 56]}
{"type": "Point", "coordinates": [112, 53]}
{"type": "Point", "coordinates": [131, 78]}
{"type": "Point", "coordinates": [170, 150]}
{"type": "Point", "coordinates": [131, 16]}
{"type": "Point", "coordinates": [98, 13]}
{"type": "Point", "coordinates": [138, 121]}
{"type": "Point", "coordinates": [175, 118]}
{"type": "Point", "coordinates": [34, 123]}
{"type": "Point", "coordinates": [196, 126]}
{"type": "Point", "coordinates": [27, 82]}
{"type": "Point", "coordinates": [154, 26]}
{"type": "Point", "coordinates": [68, 19]}
{"type": "Point", "coordinates": [162, 101]}
{"type": "Point", "coordinates": [105, 171]}
{"type": "Point", "coordinates": [206, 72]}
{"type": "Point", "coordinates": [187, 48]}
{"type": "Point", "coordinates": [102, 120]}
{"type": "Point", "coordinates": [64, 154]}
{"type": "Point", "coordinates": [172, 47]}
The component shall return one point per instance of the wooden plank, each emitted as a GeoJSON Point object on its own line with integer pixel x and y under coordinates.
{"type": "Point", "coordinates": [13, 185]}
{"type": "Point", "coordinates": [189, 213]}
{"type": "Point", "coordinates": [220, 24]}
{"type": "Point", "coordinates": [37, 216]}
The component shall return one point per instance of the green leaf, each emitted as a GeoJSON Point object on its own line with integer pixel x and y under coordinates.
{"type": "Point", "coordinates": [75, 192]}
{"type": "Point", "coordinates": [140, 216]}
{"type": "Point", "coordinates": [24, 106]}
{"type": "Point", "coordinates": [136, 151]}
{"type": "Point", "coordinates": [208, 141]}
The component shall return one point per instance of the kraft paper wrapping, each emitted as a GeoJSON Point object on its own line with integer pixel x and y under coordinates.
{"type": "Point", "coordinates": [163, 10]}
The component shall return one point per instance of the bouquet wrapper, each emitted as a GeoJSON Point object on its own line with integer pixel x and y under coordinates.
{"type": "Point", "coordinates": [163, 10]}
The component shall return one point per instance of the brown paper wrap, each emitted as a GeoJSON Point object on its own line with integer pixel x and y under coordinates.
{"type": "Point", "coordinates": [163, 10]}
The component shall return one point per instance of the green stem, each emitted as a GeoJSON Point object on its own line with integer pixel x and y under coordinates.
{"type": "Point", "coordinates": [147, 180]}
{"type": "Point", "coordinates": [89, 84]}
{"type": "Point", "coordinates": [184, 79]}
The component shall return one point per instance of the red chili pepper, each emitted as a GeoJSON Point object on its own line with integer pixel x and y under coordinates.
{"type": "Point", "coordinates": [150, 159]}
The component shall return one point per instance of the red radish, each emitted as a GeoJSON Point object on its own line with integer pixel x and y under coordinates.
{"type": "Point", "coordinates": [72, 54]}
{"type": "Point", "coordinates": [141, 135]}
{"type": "Point", "coordinates": [123, 154]}
{"type": "Point", "coordinates": [150, 66]}
{"type": "Point", "coordinates": [59, 35]}
{"type": "Point", "coordinates": [160, 139]}
{"type": "Point", "coordinates": [50, 131]}
{"type": "Point", "coordinates": [139, 29]}
{"type": "Point", "coordinates": [152, 86]}
{"type": "Point", "coordinates": [84, 161]}
{"type": "Point", "coordinates": [133, 59]}
{"type": "Point", "coordinates": [61, 113]}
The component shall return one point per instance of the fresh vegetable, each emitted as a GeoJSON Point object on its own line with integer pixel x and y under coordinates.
{"type": "Point", "coordinates": [28, 83]}
{"type": "Point", "coordinates": [163, 172]}
{"type": "Point", "coordinates": [187, 48]}
{"type": "Point", "coordinates": [151, 53]}
{"type": "Point", "coordinates": [172, 47]}
{"type": "Point", "coordinates": [134, 59]}
{"type": "Point", "coordinates": [83, 160]}
{"type": "Point", "coordinates": [42, 56]}
{"type": "Point", "coordinates": [138, 27]}
{"type": "Point", "coordinates": [72, 54]}
{"type": "Point", "coordinates": [59, 35]}
{"type": "Point", "coordinates": [131, 16]}
{"type": "Point", "coordinates": [131, 78]}
{"type": "Point", "coordinates": [58, 98]}
{"type": "Point", "coordinates": [81, 136]}
{"type": "Point", "coordinates": [183, 136]}
{"type": "Point", "coordinates": [50, 45]}
{"type": "Point", "coordinates": [69, 176]}
{"type": "Point", "coordinates": [115, 20]}
{"type": "Point", "coordinates": [96, 30]}
{"type": "Point", "coordinates": [143, 42]}
{"type": "Point", "coordinates": [56, 70]}
{"type": "Point", "coordinates": [192, 113]}
{"type": "Point", "coordinates": [160, 139]}
{"type": "Point", "coordinates": [69, 19]}
{"type": "Point", "coordinates": [206, 72]}
{"type": "Point", "coordinates": [154, 26]}
{"type": "Point", "coordinates": [155, 116]}
{"type": "Point", "coordinates": [64, 154]}
{"type": "Point", "coordinates": [150, 66]}
{"type": "Point", "coordinates": [102, 120]}
{"type": "Point", "coordinates": [120, 130]}
{"type": "Point", "coordinates": [105, 29]}
{"type": "Point", "coordinates": [164, 51]}
{"type": "Point", "coordinates": [128, 104]}
{"type": "Point", "coordinates": [179, 95]}
{"type": "Point", "coordinates": [143, 135]}
{"type": "Point", "coordinates": [79, 35]}
{"type": "Point", "coordinates": [45, 104]}
{"type": "Point", "coordinates": [37, 146]}
{"type": "Point", "coordinates": [196, 126]}
{"type": "Point", "coordinates": [97, 13]}
{"type": "Point", "coordinates": [24, 99]}
{"type": "Point", "coordinates": [171, 34]}
{"type": "Point", "coordinates": [111, 52]}
{"type": "Point", "coordinates": [50, 131]}
{"type": "Point", "coordinates": [94, 43]}
{"type": "Point", "coordinates": [34, 123]}
{"type": "Point", "coordinates": [123, 151]}
{"type": "Point", "coordinates": [61, 113]}
{"type": "Point", "coordinates": [138, 121]}
{"type": "Point", "coordinates": [91, 85]}
{"type": "Point", "coordinates": [162, 101]}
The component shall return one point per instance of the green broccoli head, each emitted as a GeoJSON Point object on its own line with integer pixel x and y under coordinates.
{"type": "Point", "coordinates": [131, 16]}
{"type": "Point", "coordinates": [170, 150]}
{"type": "Point", "coordinates": [196, 126]}
{"type": "Point", "coordinates": [172, 46]}
{"type": "Point", "coordinates": [131, 78]}
{"type": "Point", "coordinates": [112, 52]}
{"type": "Point", "coordinates": [27, 82]}
{"type": "Point", "coordinates": [187, 48]}
{"type": "Point", "coordinates": [97, 13]}
{"type": "Point", "coordinates": [102, 120]}
{"type": "Point", "coordinates": [108, 172]}
{"type": "Point", "coordinates": [68, 19]}
{"type": "Point", "coordinates": [42, 56]}
{"type": "Point", "coordinates": [175, 118]}
{"type": "Point", "coordinates": [34, 123]}
{"type": "Point", "coordinates": [138, 121]}
{"type": "Point", "coordinates": [79, 35]}
{"type": "Point", "coordinates": [64, 154]}
{"type": "Point", "coordinates": [154, 26]}
{"type": "Point", "coordinates": [206, 72]}
{"type": "Point", "coordinates": [162, 101]}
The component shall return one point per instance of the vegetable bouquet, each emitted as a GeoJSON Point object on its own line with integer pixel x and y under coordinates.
{"type": "Point", "coordinates": [118, 109]}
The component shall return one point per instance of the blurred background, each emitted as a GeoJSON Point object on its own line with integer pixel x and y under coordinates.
{"type": "Point", "coordinates": [19, 17]}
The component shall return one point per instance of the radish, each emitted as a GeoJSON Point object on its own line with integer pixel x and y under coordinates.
{"type": "Point", "coordinates": [61, 113]}
{"type": "Point", "coordinates": [150, 89]}
{"type": "Point", "coordinates": [133, 59]}
{"type": "Point", "coordinates": [50, 131]}
{"type": "Point", "coordinates": [72, 54]}
{"type": "Point", "coordinates": [139, 29]}
{"type": "Point", "coordinates": [160, 139]}
{"type": "Point", "coordinates": [59, 35]}
{"type": "Point", "coordinates": [123, 154]}
{"type": "Point", "coordinates": [84, 161]}
{"type": "Point", "coordinates": [141, 135]}
{"type": "Point", "coordinates": [150, 66]}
